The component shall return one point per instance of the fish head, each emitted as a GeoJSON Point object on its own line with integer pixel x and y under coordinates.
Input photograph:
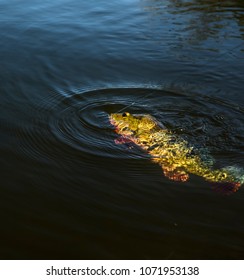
{"type": "Point", "coordinates": [132, 124]}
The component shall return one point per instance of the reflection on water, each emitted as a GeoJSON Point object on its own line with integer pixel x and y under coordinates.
{"type": "Point", "coordinates": [201, 20]}
{"type": "Point", "coordinates": [202, 35]}
{"type": "Point", "coordinates": [67, 190]}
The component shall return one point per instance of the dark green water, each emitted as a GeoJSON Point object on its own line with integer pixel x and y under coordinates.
{"type": "Point", "coordinates": [67, 191]}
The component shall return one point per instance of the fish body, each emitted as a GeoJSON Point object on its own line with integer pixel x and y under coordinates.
{"type": "Point", "coordinates": [174, 154]}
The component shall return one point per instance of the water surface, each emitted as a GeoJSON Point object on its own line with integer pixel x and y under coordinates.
{"type": "Point", "coordinates": [67, 190]}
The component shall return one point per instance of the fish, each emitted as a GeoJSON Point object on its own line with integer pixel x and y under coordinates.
{"type": "Point", "coordinates": [174, 154]}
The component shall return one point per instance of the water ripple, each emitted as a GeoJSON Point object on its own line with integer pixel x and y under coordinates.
{"type": "Point", "coordinates": [78, 124]}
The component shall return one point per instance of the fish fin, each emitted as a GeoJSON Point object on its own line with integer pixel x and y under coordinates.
{"type": "Point", "coordinates": [123, 140]}
{"type": "Point", "coordinates": [176, 174]}
{"type": "Point", "coordinates": [226, 188]}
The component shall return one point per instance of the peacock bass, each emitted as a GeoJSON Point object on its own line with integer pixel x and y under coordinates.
{"type": "Point", "coordinates": [174, 154]}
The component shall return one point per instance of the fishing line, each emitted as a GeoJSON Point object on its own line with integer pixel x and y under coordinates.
{"type": "Point", "coordinates": [136, 101]}
{"type": "Point", "coordinates": [206, 63]}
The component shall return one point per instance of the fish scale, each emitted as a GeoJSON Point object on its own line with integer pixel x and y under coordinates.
{"type": "Point", "coordinates": [174, 154]}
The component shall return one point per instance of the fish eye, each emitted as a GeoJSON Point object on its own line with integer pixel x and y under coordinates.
{"type": "Point", "coordinates": [125, 115]}
{"type": "Point", "coordinates": [224, 175]}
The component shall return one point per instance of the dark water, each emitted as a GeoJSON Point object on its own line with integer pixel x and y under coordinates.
{"type": "Point", "coordinates": [66, 190]}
